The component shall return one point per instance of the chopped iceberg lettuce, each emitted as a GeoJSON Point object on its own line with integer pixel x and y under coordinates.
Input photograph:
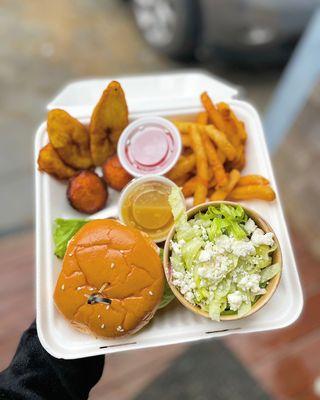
{"type": "Point", "coordinates": [177, 206]}
{"type": "Point", "coordinates": [244, 309]}
{"type": "Point", "coordinates": [191, 250]}
{"type": "Point", "coordinates": [269, 272]}
{"type": "Point", "coordinates": [214, 310]}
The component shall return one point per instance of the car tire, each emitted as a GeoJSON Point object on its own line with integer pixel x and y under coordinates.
{"type": "Point", "coordinates": [181, 38]}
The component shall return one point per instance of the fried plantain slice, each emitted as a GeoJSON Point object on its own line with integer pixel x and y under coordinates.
{"type": "Point", "coordinates": [109, 118]}
{"type": "Point", "coordinates": [50, 162]}
{"type": "Point", "coordinates": [70, 139]}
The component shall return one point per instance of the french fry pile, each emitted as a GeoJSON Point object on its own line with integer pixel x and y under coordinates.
{"type": "Point", "coordinates": [213, 157]}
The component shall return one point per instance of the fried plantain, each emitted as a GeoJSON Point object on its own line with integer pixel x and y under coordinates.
{"type": "Point", "coordinates": [109, 118]}
{"type": "Point", "coordinates": [70, 139]}
{"type": "Point", "coordinates": [87, 192]}
{"type": "Point", "coordinates": [114, 173]}
{"type": "Point", "coordinates": [50, 162]}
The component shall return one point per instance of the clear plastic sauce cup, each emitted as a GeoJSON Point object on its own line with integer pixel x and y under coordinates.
{"type": "Point", "coordinates": [149, 145]}
{"type": "Point", "coordinates": [144, 205]}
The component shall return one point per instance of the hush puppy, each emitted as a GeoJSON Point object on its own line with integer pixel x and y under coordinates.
{"type": "Point", "coordinates": [87, 192]}
{"type": "Point", "coordinates": [114, 173]}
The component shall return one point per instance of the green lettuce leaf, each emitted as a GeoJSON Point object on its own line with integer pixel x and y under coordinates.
{"type": "Point", "coordinates": [64, 230]}
{"type": "Point", "coordinates": [190, 251]}
{"type": "Point", "coordinates": [215, 310]}
{"type": "Point", "coordinates": [178, 206]}
{"type": "Point", "coordinates": [227, 220]}
{"type": "Point", "coordinates": [244, 309]}
{"type": "Point", "coordinates": [167, 297]}
{"type": "Point", "coordinates": [269, 272]}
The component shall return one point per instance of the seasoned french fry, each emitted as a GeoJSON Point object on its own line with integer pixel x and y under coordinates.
{"type": "Point", "coordinates": [213, 160]}
{"type": "Point", "coordinates": [221, 141]}
{"type": "Point", "coordinates": [200, 154]}
{"type": "Point", "coordinates": [240, 160]}
{"type": "Point", "coordinates": [189, 187]}
{"type": "Point", "coordinates": [200, 194]}
{"type": "Point", "coordinates": [184, 165]}
{"type": "Point", "coordinates": [181, 181]}
{"type": "Point", "coordinates": [222, 156]}
{"type": "Point", "coordinates": [260, 192]}
{"type": "Point", "coordinates": [230, 126]}
{"type": "Point", "coordinates": [202, 118]}
{"type": "Point", "coordinates": [185, 140]}
{"type": "Point", "coordinates": [185, 126]}
{"type": "Point", "coordinates": [219, 138]}
{"type": "Point", "coordinates": [240, 127]}
{"type": "Point", "coordinates": [214, 115]}
{"type": "Point", "coordinates": [241, 131]}
{"type": "Point", "coordinates": [212, 183]}
{"type": "Point", "coordinates": [249, 180]}
{"type": "Point", "coordinates": [201, 191]}
{"type": "Point", "coordinates": [222, 193]}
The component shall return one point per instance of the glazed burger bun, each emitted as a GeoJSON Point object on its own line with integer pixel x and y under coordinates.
{"type": "Point", "coordinates": [111, 281]}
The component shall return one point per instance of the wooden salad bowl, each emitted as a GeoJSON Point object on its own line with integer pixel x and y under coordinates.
{"type": "Point", "coordinates": [276, 256]}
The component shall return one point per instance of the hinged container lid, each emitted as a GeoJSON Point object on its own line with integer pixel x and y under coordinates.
{"type": "Point", "coordinates": [168, 92]}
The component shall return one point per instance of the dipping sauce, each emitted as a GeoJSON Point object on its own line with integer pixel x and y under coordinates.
{"type": "Point", "coordinates": [144, 205]}
{"type": "Point", "coordinates": [149, 145]}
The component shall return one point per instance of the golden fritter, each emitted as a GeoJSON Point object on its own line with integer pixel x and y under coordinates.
{"type": "Point", "coordinates": [87, 192]}
{"type": "Point", "coordinates": [70, 139]}
{"type": "Point", "coordinates": [50, 162]}
{"type": "Point", "coordinates": [108, 120]}
{"type": "Point", "coordinates": [114, 173]}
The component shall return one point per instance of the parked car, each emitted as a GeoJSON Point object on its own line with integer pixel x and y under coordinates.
{"type": "Point", "coordinates": [245, 31]}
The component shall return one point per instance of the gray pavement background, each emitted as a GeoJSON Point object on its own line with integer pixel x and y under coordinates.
{"type": "Point", "coordinates": [44, 45]}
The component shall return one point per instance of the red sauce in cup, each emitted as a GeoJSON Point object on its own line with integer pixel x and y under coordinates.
{"type": "Point", "coordinates": [149, 145]}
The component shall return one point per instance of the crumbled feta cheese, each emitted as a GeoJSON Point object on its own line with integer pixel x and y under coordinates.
{"type": "Point", "coordinates": [231, 245]}
{"type": "Point", "coordinates": [250, 226]}
{"type": "Point", "coordinates": [215, 271]}
{"type": "Point", "coordinates": [251, 282]}
{"type": "Point", "coordinates": [176, 248]}
{"type": "Point", "coordinates": [224, 243]}
{"type": "Point", "coordinates": [234, 300]}
{"type": "Point", "coordinates": [189, 297]}
{"type": "Point", "coordinates": [184, 282]}
{"type": "Point", "coordinates": [204, 233]}
{"type": "Point", "coordinates": [205, 255]}
{"type": "Point", "coordinates": [259, 237]}
{"type": "Point", "coordinates": [241, 248]}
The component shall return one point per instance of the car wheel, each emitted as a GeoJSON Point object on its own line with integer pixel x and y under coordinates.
{"type": "Point", "coordinates": [170, 26]}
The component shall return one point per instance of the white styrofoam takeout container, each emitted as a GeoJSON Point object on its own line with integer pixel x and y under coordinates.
{"type": "Point", "coordinates": [173, 95]}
